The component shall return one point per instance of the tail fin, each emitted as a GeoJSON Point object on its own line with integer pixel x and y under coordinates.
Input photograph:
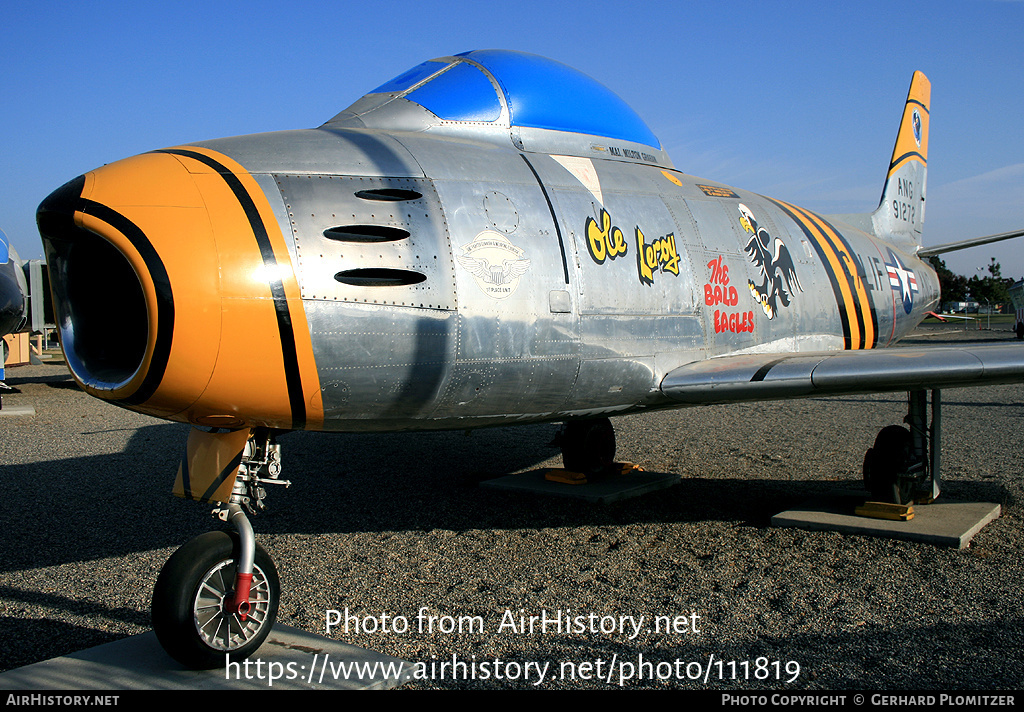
{"type": "Point", "coordinates": [899, 217]}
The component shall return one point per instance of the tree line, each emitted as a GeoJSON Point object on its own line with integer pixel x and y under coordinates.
{"type": "Point", "coordinates": [990, 289]}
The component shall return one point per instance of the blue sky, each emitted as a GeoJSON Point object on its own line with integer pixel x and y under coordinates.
{"type": "Point", "coordinates": [799, 101]}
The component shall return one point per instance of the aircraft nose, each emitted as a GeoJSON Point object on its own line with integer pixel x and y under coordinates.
{"type": "Point", "coordinates": [113, 238]}
{"type": "Point", "coordinates": [159, 273]}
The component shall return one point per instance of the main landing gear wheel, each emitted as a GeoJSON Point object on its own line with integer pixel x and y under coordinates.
{"type": "Point", "coordinates": [588, 446]}
{"type": "Point", "coordinates": [191, 600]}
{"type": "Point", "coordinates": [886, 462]}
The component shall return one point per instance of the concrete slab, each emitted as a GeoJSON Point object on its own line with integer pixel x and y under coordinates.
{"type": "Point", "coordinates": [11, 410]}
{"type": "Point", "coordinates": [632, 484]}
{"type": "Point", "coordinates": [943, 523]}
{"type": "Point", "coordinates": [299, 660]}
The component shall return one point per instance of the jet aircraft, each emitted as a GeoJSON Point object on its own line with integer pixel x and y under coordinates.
{"type": "Point", "coordinates": [488, 239]}
{"type": "Point", "coordinates": [13, 289]}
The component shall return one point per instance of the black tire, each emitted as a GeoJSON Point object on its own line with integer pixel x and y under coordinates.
{"type": "Point", "coordinates": [588, 446]}
{"type": "Point", "coordinates": [188, 615]}
{"type": "Point", "coordinates": [886, 461]}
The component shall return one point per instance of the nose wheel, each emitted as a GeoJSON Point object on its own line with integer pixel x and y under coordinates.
{"type": "Point", "coordinates": [196, 615]}
{"type": "Point", "coordinates": [217, 596]}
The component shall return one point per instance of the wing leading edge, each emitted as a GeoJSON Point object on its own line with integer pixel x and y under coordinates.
{"type": "Point", "coordinates": [755, 377]}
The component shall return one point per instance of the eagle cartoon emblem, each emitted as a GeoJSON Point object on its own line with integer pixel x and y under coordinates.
{"type": "Point", "coordinates": [775, 264]}
{"type": "Point", "coordinates": [495, 263]}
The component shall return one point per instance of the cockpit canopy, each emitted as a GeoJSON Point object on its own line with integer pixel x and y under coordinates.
{"type": "Point", "coordinates": [509, 90]}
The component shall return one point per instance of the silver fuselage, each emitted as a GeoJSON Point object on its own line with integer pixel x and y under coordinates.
{"type": "Point", "coordinates": [571, 336]}
{"type": "Point", "coordinates": [395, 269]}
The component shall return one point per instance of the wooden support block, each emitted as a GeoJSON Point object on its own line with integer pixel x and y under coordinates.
{"type": "Point", "coordinates": [884, 510]}
{"type": "Point", "coordinates": [566, 476]}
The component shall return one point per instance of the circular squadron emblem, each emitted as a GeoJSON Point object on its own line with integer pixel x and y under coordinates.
{"type": "Point", "coordinates": [916, 119]}
{"type": "Point", "coordinates": [495, 263]}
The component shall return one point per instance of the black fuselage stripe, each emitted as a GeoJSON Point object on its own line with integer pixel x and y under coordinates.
{"type": "Point", "coordinates": [554, 218]}
{"type": "Point", "coordinates": [840, 246]}
{"type": "Point", "coordinates": [832, 278]}
{"type": "Point", "coordinates": [289, 350]}
{"type": "Point", "coordinates": [856, 260]}
{"type": "Point", "coordinates": [164, 295]}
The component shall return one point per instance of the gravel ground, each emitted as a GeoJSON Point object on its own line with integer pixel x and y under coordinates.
{"type": "Point", "coordinates": [89, 521]}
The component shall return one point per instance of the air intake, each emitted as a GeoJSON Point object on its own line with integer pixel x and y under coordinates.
{"type": "Point", "coordinates": [365, 233]}
{"type": "Point", "coordinates": [389, 195]}
{"type": "Point", "coordinates": [379, 277]}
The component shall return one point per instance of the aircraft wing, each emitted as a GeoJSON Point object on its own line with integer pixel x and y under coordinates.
{"type": "Point", "coordinates": [754, 377]}
{"type": "Point", "coordinates": [964, 244]}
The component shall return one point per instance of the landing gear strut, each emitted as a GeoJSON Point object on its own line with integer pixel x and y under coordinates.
{"type": "Point", "coordinates": [903, 465]}
{"type": "Point", "coordinates": [588, 446]}
{"type": "Point", "coordinates": [217, 596]}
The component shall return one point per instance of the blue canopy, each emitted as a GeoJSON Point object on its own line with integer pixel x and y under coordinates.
{"type": "Point", "coordinates": [540, 93]}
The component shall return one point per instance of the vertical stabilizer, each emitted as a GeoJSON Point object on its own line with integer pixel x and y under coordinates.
{"type": "Point", "coordinates": [900, 216]}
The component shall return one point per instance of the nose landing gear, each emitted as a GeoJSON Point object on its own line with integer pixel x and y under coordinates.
{"type": "Point", "coordinates": [217, 596]}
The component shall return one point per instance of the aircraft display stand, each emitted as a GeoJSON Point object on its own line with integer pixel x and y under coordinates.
{"type": "Point", "coordinates": [9, 405]}
{"type": "Point", "coordinates": [942, 523]}
{"type": "Point", "coordinates": [139, 663]}
{"type": "Point", "coordinates": [904, 464]}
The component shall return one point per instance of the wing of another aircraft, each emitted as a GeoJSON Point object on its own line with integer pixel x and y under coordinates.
{"type": "Point", "coordinates": [769, 376]}
{"type": "Point", "coordinates": [12, 290]}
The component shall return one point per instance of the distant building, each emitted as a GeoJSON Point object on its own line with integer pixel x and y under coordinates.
{"type": "Point", "coordinates": [960, 307]}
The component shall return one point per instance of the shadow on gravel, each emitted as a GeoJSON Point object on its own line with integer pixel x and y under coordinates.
{"type": "Point", "coordinates": [57, 377]}
{"type": "Point", "coordinates": [68, 383]}
{"type": "Point", "coordinates": [86, 508]}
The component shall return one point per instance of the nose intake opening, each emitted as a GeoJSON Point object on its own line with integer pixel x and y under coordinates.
{"type": "Point", "coordinates": [102, 317]}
